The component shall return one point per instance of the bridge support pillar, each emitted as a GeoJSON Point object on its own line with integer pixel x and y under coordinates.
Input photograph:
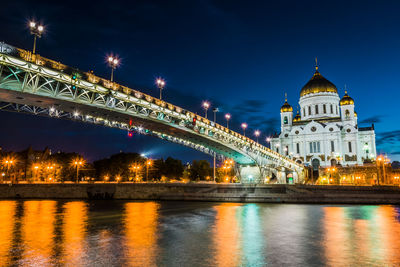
{"type": "Point", "coordinates": [250, 174]}
{"type": "Point", "coordinates": [281, 176]}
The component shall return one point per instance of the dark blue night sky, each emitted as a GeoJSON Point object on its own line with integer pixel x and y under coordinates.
{"type": "Point", "coordinates": [242, 56]}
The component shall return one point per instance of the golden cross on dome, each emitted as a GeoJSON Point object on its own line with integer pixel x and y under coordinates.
{"type": "Point", "coordinates": [316, 63]}
{"type": "Point", "coordinates": [285, 97]}
{"type": "Point", "coordinates": [345, 89]}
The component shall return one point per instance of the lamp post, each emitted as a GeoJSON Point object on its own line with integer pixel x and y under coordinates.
{"type": "Point", "coordinates": [136, 168]}
{"type": "Point", "coordinates": [206, 106]}
{"type": "Point", "coordinates": [9, 163]}
{"type": "Point", "coordinates": [244, 126]}
{"type": "Point", "coordinates": [257, 134]}
{"type": "Point", "coordinates": [378, 161]}
{"type": "Point", "coordinates": [113, 62]}
{"type": "Point", "coordinates": [227, 117]}
{"type": "Point", "coordinates": [36, 31]}
{"type": "Point", "coordinates": [148, 164]}
{"type": "Point", "coordinates": [215, 110]}
{"type": "Point", "coordinates": [160, 85]}
{"type": "Point", "coordinates": [78, 163]}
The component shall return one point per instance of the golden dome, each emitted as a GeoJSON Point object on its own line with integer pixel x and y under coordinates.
{"type": "Point", "coordinates": [318, 84]}
{"type": "Point", "coordinates": [355, 114]}
{"type": "Point", "coordinates": [297, 117]}
{"type": "Point", "coordinates": [346, 100]}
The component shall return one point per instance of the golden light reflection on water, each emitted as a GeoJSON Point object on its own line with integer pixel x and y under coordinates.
{"type": "Point", "coordinates": [74, 216]}
{"type": "Point", "coordinates": [369, 234]}
{"type": "Point", "coordinates": [227, 236]}
{"type": "Point", "coordinates": [389, 232]}
{"type": "Point", "coordinates": [7, 221]}
{"type": "Point", "coordinates": [37, 229]}
{"type": "Point", "coordinates": [335, 235]}
{"type": "Point", "coordinates": [140, 223]}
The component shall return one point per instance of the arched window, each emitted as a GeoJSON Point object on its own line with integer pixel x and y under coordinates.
{"type": "Point", "coordinates": [331, 109]}
{"type": "Point", "coordinates": [309, 110]}
{"type": "Point", "coordinates": [304, 112]}
{"type": "Point", "coordinates": [347, 114]}
{"type": "Point", "coordinates": [324, 108]}
{"type": "Point", "coordinates": [316, 109]}
{"type": "Point", "coordinates": [285, 120]}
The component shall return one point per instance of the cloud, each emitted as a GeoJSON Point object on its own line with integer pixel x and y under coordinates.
{"type": "Point", "coordinates": [373, 119]}
{"type": "Point", "coordinates": [388, 138]}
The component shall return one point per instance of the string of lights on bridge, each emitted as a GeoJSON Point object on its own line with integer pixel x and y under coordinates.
{"type": "Point", "coordinates": [114, 62]}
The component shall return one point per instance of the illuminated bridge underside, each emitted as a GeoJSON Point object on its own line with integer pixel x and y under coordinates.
{"type": "Point", "coordinates": [39, 89]}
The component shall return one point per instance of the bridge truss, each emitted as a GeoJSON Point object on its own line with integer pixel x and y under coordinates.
{"type": "Point", "coordinates": [36, 85]}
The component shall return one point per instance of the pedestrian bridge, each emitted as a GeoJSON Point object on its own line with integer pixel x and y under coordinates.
{"type": "Point", "coordinates": [33, 84]}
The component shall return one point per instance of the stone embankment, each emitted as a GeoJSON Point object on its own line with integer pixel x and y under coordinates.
{"type": "Point", "coordinates": [208, 192]}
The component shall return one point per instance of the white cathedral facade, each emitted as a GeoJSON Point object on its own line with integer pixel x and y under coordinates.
{"type": "Point", "coordinates": [325, 131]}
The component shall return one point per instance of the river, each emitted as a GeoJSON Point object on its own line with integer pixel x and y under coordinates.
{"type": "Point", "coordinates": [129, 233]}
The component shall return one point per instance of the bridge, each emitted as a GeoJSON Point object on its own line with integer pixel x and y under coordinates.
{"type": "Point", "coordinates": [30, 83]}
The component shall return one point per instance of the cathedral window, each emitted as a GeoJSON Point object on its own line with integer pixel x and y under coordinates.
{"type": "Point", "coordinates": [333, 146]}
{"type": "Point", "coordinates": [315, 147]}
{"type": "Point", "coordinates": [347, 112]}
{"type": "Point", "coordinates": [331, 109]}
{"type": "Point", "coordinates": [298, 148]}
{"type": "Point", "coordinates": [316, 109]}
{"type": "Point", "coordinates": [286, 151]}
{"type": "Point", "coordinates": [285, 120]}
{"type": "Point", "coordinates": [337, 110]}
{"type": "Point", "coordinates": [309, 110]}
{"type": "Point", "coordinates": [350, 149]}
{"type": "Point", "coordinates": [324, 107]}
{"type": "Point", "coordinates": [304, 112]}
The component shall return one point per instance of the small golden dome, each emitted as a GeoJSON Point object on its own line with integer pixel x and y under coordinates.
{"type": "Point", "coordinates": [297, 117]}
{"type": "Point", "coordinates": [318, 84]}
{"type": "Point", "coordinates": [346, 100]}
{"type": "Point", "coordinates": [355, 114]}
{"type": "Point", "coordinates": [286, 107]}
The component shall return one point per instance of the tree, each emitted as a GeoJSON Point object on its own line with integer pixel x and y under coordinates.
{"type": "Point", "coordinates": [172, 168]}
{"type": "Point", "coordinates": [199, 170]}
{"type": "Point", "coordinates": [118, 165]}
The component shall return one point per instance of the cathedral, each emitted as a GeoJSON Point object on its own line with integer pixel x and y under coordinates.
{"type": "Point", "coordinates": [324, 131]}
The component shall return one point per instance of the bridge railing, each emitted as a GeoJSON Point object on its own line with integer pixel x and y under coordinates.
{"type": "Point", "coordinates": [95, 80]}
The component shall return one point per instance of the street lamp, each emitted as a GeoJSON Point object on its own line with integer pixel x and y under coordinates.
{"type": "Point", "coordinates": [135, 168]}
{"type": "Point", "coordinates": [160, 84]}
{"type": "Point", "coordinates": [36, 31]}
{"type": "Point", "coordinates": [206, 106]}
{"type": "Point", "coordinates": [78, 164]}
{"type": "Point", "coordinates": [257, 134]}
{"type": "Point", "coordinates": [215, 110]}
{"type": "Point", "coordinates": [227, 117]}
{"type": "Point", "coordinates": [113, 62]}
{"type": "Point", "coordinates": [148, 164]}
{"type": "Point", "coordinates": [9, 162]}
{"type": "Point", "coordinates": [244, 126]}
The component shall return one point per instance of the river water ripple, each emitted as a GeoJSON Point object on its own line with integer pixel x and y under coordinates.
{"type": "Point", "coordinates": [128, 233]}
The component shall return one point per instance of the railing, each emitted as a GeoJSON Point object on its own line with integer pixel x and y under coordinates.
{"type": "Point", "coordinates": [109, 85]}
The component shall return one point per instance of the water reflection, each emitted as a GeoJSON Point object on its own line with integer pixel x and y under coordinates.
{"type": "Point", "coordinates": [7, 221]}
{"type": "Point", "coordinates": [140, 224]}
{"type": "Point", "coordinates": [79, 233]}
{"type": "Point", "coordinates": [74, 223]}
{"type": "Point", "coordinates": [227, 235]}
{"type": "Point", "coordinates": [37, 231]}
{"type": "Point", "coordinates": [363, 233]}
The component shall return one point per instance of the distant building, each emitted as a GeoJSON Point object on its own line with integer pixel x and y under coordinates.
{"type": "Point", "coordinates": [325, 131]}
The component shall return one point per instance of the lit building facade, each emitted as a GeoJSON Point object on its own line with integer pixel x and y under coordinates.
{"type": "Point", "coordinates": [324, 132]}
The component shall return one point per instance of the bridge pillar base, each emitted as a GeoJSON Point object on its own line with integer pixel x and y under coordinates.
{"type": "Point", "coordinates": [250, 175]}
